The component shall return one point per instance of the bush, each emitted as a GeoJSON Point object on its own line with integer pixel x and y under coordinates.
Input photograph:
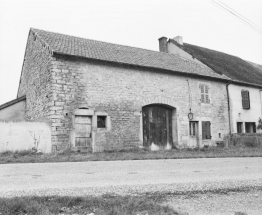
{"type": "Point", "coordinates": [250, 144]}
{"type": "Point", "coordinates": [220, 144]}
{"type": "Point", "coordinates": [6, 153]}
{"type": "Point", "coordinates": [23, 152]}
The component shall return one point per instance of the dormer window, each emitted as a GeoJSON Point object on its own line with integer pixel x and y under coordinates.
{"type": "Point", "coordinates": [204, 91]}
{"type": "Point", "coordinates": [245, 99]}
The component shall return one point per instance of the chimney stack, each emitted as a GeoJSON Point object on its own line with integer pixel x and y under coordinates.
{"type": "Point", "coordinates": [163, 44]}
{"type": "Point", "coordinates": [178, 39]}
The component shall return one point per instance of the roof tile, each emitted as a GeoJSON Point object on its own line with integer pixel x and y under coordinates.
{"type": "Point", "coordinates": [92, 49]}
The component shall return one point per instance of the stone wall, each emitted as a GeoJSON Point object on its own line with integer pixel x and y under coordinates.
{"type": "Point", "coordinates": [121, 91]}
{"type": "Point", "coordinates": [56, 86]}
{"type": "Point", "coordinates": [35, 79]}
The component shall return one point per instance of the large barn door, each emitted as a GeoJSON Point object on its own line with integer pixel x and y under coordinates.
{"type": "Point", "coordinates": [83, 131]}
{"type": "Point", "coordinates": [157, 126]}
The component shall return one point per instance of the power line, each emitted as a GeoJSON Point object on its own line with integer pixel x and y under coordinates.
{"type": "Point", "coordinates": [256, 26]}
{"type": "Point", "coordinates": [238, 15]}
{"type": "Point", "coordinates": [250, 24]}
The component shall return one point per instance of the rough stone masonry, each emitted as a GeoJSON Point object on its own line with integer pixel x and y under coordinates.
{"type": "Point", "coordinates": [59, 86]}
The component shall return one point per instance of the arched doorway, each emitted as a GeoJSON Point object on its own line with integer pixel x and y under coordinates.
{"type": "Point", "coordinates": [157, 127]}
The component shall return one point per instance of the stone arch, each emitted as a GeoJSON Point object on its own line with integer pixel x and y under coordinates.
{"type": "Point", "coordinates": [158, 100]}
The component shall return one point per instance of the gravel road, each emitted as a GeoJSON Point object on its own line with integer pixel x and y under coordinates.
{"type": "Point", "coordinates": [129, 177]}
{"type": "Point", "coordinates": [249, 203]}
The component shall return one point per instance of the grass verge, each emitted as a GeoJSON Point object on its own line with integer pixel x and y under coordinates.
{"type": "Point", "coordinates": [131, 154]}
{"type": "Point", "coordinates": [104, 205]}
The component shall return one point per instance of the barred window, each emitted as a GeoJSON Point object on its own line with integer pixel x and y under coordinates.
{"type": "Point", "coordinates": [245, 99]}
{"type": "Point", "coordinates": [204, 90]}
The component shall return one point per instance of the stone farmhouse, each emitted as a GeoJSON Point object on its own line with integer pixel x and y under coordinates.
{"type": "Point", "coordinates": [102, 96]}
{"type": "Point", "coordinates": [244, 90]}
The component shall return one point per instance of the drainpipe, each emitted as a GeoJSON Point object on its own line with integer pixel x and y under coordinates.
{"type": "Point", "coordinates": [260, 102]}
{"type": "Point", "coordinates": [228, 102]}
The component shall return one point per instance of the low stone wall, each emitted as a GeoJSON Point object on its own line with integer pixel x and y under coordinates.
{"type": "Point", "coordinates": [24, 136]}
{"type": "Point", "coordinates": [251, 140]}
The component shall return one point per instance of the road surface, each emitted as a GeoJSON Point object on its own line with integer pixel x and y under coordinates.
{"type": "Point", "coordinates": [129, 177]}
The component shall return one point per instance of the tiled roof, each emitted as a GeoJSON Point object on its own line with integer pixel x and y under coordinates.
{"type": "Point", "coordinates": [12, 102]}
{"type": "Point", "coordinates": [229, 65]}
{"type": "Point", "coordinates": [92, 49]}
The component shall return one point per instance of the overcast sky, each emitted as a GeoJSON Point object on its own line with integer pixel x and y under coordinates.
{"type": "Point", "coordinates": [137, 23]}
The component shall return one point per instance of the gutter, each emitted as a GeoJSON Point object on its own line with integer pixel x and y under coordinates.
{"type": "Point", "coordinates": [228, 102]}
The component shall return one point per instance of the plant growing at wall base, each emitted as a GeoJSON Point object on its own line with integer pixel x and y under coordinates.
{"type": "Point", "coordinates": [259, 125]}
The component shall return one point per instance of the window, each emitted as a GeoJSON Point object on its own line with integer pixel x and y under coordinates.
{"type": "Point", "coordinates": [101, 121]}
{"type": "Point", "coordinates": [239, 127]}
{"type": "Point", "coordinates": [192, 128]}
{"type": "Point", "coordinates": [250, 127]}
{"type": "Point", "coordinates": [245, 99]}
{"type": "Point", "coordinates": [206, 131]}
{"type": "Point", "coordinates": [204, 90]}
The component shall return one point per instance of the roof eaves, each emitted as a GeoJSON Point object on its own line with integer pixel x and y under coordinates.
{"type": "Point", "coordinates": [7, 104]}
{"type": "Point", "coordinates": [246, 83]}
{"type": "Point", "coordinates": [224, 78]}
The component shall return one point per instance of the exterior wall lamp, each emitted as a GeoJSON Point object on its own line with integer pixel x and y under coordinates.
{"type": "Point", "coordinates": [190, 115]}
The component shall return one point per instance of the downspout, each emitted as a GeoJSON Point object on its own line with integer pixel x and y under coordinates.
{"type": "Point", "coordinates": [260, 102]}
{"type": "Point", "coordinates": [228, 103]}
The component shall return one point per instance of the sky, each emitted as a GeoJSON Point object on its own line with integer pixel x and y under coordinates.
{"type": "Point", "coordinates": [136, 23]}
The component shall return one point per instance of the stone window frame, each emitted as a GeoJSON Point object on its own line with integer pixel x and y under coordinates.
{"type": "Point", "coordinates": [93, 114]}
{"type": "Point", "coordinates": [107, 120]}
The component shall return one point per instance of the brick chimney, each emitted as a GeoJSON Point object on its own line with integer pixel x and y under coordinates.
{"type": "Point", "coordinates": [178, 39]}
{"type": "Point", "coordinates": [163, 44]}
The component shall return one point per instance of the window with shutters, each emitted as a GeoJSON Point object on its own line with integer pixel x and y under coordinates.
{"type": "Point", "coordinates": [204, 91]}
{"type": "Point", "coordinates": [206, 130]}
{"type": "Point", "coordinates": [245, 99]}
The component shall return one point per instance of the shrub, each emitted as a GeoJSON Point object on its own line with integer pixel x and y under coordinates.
{"type": "Point", "coordinates": [220, 144]}
{"type": "Point", "coordinates": [250, 144]}
{"type": "Point", "coordinates": [6, 153]}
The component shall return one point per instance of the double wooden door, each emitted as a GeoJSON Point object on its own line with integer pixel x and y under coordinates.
{"type": "Point", "coordinates": [157, 126]}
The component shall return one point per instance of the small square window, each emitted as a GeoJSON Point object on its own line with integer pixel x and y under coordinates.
{"type": "Point", "coordinates": [101, 121]}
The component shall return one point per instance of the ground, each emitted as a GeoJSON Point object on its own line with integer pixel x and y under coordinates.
{"type": "Point", "coordinates": [202, 186]}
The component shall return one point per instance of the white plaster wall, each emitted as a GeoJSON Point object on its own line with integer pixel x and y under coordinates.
{"type": "Point", "coordinates": [238, 114]}
{"type": "Point", "coordinates": [13, 112]}
{"type": "Point", "coordinates": [173, 49]}
{"type": "Point", "coordinates": [17, 136]}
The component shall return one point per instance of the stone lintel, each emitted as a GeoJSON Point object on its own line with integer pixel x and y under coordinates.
{"type": "Point", "coordinates": [84, 112]}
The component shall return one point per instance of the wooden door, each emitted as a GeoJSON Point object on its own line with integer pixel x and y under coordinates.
{"type": "Point", "coordinates": [157, 126]}
{"type": "Point", "coordinates": [193, 134]}
{"type": "Point", "coordinates": [83, 131]}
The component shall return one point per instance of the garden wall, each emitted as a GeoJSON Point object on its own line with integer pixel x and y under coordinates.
{"type": "Point", "coordinates": [24, 136]}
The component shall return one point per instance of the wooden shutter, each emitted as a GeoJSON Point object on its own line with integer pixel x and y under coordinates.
{"type": "Point", "coordinates": [204, 93]}
{"type": "Point", "coordinates": [206, 131]}
{"type": "Point", "coordinates": [245, 99]}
